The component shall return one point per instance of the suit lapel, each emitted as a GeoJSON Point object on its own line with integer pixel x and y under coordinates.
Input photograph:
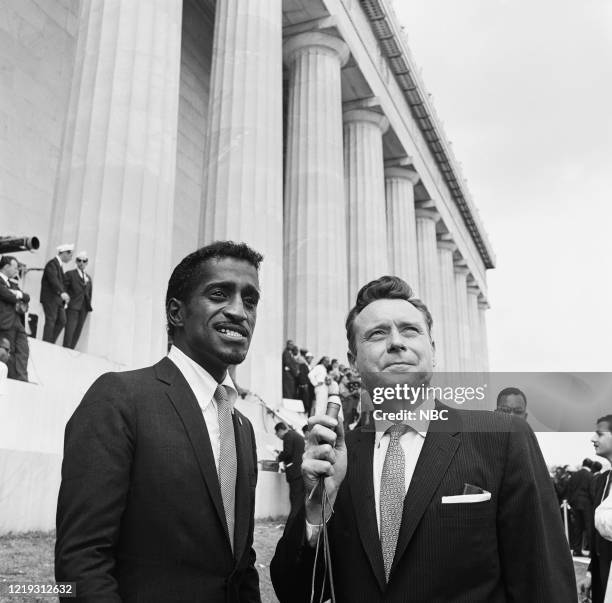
{"type": "Point", "coordinates": [243, 495]}
{"type": "Point", "coordinates": [361, 483]}
{"type": "Point", "coordinates": [188, 409]}
{"type": "Point", "coordinates": [436, 455]}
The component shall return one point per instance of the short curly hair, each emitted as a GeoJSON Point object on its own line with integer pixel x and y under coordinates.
{"type": "Point", "coordinates": [185, 277]}
{"type": "Point", "coordinates": [385, 287]}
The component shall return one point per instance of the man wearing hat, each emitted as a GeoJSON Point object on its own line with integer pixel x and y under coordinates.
{"type": "Point", "coordinates": [53, 295]}
{"type": "Point", "coordinates": [79, 288]}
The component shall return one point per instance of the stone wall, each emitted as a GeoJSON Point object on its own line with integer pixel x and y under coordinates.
{"type": "Point", "coordinates": [37, 47]}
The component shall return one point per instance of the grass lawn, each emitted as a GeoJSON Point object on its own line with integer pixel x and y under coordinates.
{"type": "Point", "coordinates": [29, 558]}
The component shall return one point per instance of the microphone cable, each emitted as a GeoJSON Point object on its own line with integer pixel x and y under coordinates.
{"type": "Point", "coordinates": [333, 409]}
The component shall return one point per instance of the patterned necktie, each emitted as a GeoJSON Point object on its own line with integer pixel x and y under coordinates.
{"type": "Point", "coordinates": [392, 493]}
{"type": "Point", "coordinates": [228, 463]}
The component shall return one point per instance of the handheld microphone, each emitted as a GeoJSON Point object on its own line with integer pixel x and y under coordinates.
{"type": "Point", "coordinates": [333, 409]}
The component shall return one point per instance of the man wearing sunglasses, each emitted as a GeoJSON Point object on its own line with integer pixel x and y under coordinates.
{"type": "Point", "coordinates": [78, 285]}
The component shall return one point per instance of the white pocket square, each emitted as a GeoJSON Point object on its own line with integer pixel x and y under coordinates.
{"type": "Point", "coordinates": [466, 498]}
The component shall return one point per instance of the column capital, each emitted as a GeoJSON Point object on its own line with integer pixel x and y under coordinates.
{"type": "Point", "coordinates": [445, 244]}
{"type": "Point", "coordinates": [364, 115]}
{"type": "Point", "coordinates": [483, 304]}
{"type": "Point", "coordinates": [460, 269]}
{"type": "Point", "coordinates": [315, 39]}
{"type": "Point", "coordinates": [404, 173]}
{"type": "Point", "coordinates": [473, 290]}
{"type": "Point", "coordinates": [426, 214]}
{"type": "Point", "coordinates": [402, 161]}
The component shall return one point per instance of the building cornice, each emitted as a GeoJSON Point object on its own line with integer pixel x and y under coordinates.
{"type": "Point", "coordinates": [395, 48]}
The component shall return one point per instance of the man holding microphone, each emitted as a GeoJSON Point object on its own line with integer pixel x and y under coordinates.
{"type": "Point", "coordinates": [425, 511]}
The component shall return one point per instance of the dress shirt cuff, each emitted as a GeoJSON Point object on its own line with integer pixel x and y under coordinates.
{"type": "Point", "coordinates": [312, 531]}
{"type": "Point", "coordinates": [18, 294]}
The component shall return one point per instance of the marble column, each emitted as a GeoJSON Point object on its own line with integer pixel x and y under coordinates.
{"type": "Point", "coordinates": [483, 306]}
{"type": "Point", "coordinates": [428, 288]}
{"type": "Point", "coordinates": [474, 325]}
{"type": "Point", "coordinates": [365, 192]}
{"type": "Point", "coordinates": [114, 195]}
{"type": "Point", "coordinates": [401, 223]}
{"type": "Point", "coordinates": [316, 269]}
{"type": "Point", "coordinates": [448, 314]}
{"type": "Point", "coordinates": [243, 166]}
{"type": "Point", "coordinates": [463, 331]}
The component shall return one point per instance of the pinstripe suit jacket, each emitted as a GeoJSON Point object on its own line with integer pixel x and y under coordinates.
{"type": "Point", "coordinates": [510, 548]}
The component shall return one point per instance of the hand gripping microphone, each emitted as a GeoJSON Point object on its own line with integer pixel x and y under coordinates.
{"type": "Point", "coordinates": [333, 410]}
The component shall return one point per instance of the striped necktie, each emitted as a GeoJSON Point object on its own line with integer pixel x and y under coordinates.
{"type": "Point", "coordinates": [228, 463]}
{"type": "Point", "coordinates": [392, 493]}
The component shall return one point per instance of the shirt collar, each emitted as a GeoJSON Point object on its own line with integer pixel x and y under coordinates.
{"type": "Point", "coordinates": [200, 380]}
{"type": "Point", "coordinates": [419, 427]}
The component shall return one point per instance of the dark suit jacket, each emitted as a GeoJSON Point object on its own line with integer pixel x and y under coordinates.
{"type": "Point", "coordinates": [578, 489]}
{"type": "Point", "coordinates": [9, 319]}
{"type": "Point", "coordinates": [52, 284]}
{"type": "Point", "coordinates": [510, 548]}
{"type": "Point", "coordinates": [293, 449]}
{"type": "Point", "coordinates": [80, 292]}
{"type": "Point", "coordinates": [601, 549]}
{"type": "Point", "coordinates": [140, 514]}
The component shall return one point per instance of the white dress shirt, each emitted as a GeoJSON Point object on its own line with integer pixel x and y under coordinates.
{"type": "Point", "coordinates": [203, 385]}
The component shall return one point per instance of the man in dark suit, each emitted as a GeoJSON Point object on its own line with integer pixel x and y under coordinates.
{"type": "Point", "coordinates": [11, 325]}
{"type": "Point", "coordinates": [53, 295]}
{"type": "Point", "coordinates": [291, 455]}
{"type": "Point", "coordinates": [579, 498]}
{"type": "Point", "coordinates": [459, 510]}
{"type": "Point", "coordinates": [290, 371]}
{"type": "Point", "coordinates": [79, 288]}
{"type": "Point", "coordinates": [601, 548]}
{"type": "Point", "coordinates": [157, 497]}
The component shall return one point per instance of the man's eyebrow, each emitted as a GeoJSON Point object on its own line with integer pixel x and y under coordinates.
{"type": "Point", "coordinates": [409, 323]}
{"type": "Point", "coordinates": [378, 325]}
{"type": "Point", "coordinates": [252, 290]}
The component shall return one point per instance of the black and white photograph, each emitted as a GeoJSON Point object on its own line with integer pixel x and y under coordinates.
{"type": "Point", "coordinates": [305, 301]}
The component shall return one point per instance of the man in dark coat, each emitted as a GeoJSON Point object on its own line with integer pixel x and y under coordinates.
{"type": "Point", "coordinates": [11, 324]}
{"type": "Point", "coordinates": [460, 509]}
{"type": "Point", "coordinates": [290, 371]}
{"type": "Point", "coordinates": [79, 287]}
{"type": "Point", "coordinates": [157, 498]}
{"type": "Point", "coordinates": [579, 498]}
{"type": "Point", "coordinates": [53, 295]}
{"type": "Point", "coordinates": [291, 455]}
{"type": "Point", "coordinates": [596, 579]}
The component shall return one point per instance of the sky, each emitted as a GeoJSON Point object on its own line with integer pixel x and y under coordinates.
{"type": "Point", "coordinates": [524, 90]}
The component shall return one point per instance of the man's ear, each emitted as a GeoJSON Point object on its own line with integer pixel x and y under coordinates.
{"type": "Point", "coordinates": [351, 358]}
{"type": "Point", "coordinates": [433, 347]}
{"type": "Point", "coordinates": [175, 310]}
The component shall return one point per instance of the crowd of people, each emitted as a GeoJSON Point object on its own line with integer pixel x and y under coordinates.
{"type": "Point", "coordinates": [65, 296]}
{"type": "Point", "coordinates": [315, 383]}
